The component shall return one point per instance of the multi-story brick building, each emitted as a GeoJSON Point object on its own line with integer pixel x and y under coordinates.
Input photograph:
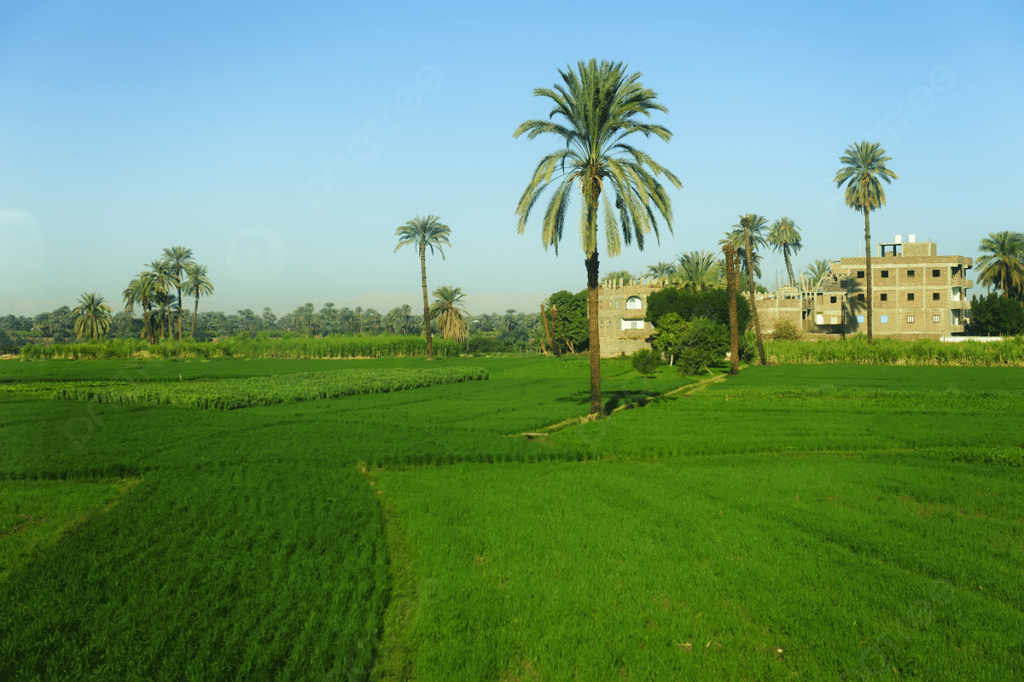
{"type": "Point", "coordinates": [917, 293]}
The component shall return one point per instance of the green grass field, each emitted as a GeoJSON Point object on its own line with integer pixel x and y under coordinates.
{"type": "Point", "coordinates": [794, 522]}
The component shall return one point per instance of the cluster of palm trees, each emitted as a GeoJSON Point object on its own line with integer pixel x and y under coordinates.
{"type": "Point", "coordinates": [159, 291]}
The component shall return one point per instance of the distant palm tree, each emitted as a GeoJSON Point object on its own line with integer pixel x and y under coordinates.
{"type": "Point", "coordinates": [784, 237]}
{"type": "Point", "coordinates": [611, 277]}
{"type": "Point", "coordinates": [198, 284]}
{"type": "Point", "coordinates": [661, 270]}
{"type": "Point", "coordinates": [424, 232]}
{"type": "Point", "coordinates": [163, 282]}
{"type": "Point", "coordinates": [92, 317]}
{"type": "Point", "coordinates": [450, 312]}
{"type": "Point", "coordinates": [178, 257]}
{"type": "Point", "coordinates": [699, 271]}
{"type": "Point", "coordinates": [816, 271]}
{"type": "Point", "coordinates": [1002, 265]}
{"type": "Point", "coordinates": [599, 105]}
{"type": "Point", "coordinates": [862, 170]}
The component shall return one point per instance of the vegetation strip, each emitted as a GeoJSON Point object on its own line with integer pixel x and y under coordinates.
{"type": "Point", "coordinates": [257, 391]}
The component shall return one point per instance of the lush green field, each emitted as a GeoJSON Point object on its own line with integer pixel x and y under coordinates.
{"type": "Point", "coordinates": [722, 568]}
{"type": "Point", "coordinates": [825, 511]}
{"type": "Point", "coordinates": [856, 350]}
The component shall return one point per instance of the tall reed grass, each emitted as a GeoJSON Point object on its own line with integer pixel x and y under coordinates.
{"type": "Point", "coordinates": [857, 351]}
{"type": "Point", "coordinates": [241, 346]}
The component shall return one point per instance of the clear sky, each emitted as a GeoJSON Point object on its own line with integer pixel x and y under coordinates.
{"type": "Point", "coordinates": [284, 142]}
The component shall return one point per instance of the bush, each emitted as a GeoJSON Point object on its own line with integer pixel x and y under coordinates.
{"type": "Point", "coordinates": [785, 331]}
{"type": "Point", "coordinates": [705, 343]}
{"type": "Point", "coordinates": [646, 361]}
{"type": "Point", "coordinates": [995, 315]}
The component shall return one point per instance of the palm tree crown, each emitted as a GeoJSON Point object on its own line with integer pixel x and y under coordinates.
{"type": "Point", "coordinates": [450, 312]}
{"type": "Point", "coordinates": [92, 316]}
{"type": "Point", "coordinates": [593, 110]}
{"type": "Point", "coordinates": [756, 224]}
{"type": "Point", "coordinates": [862, 171]}
{"type": "Point", "coordinates": [1002, 263]}
{"type": "Point", "coordinates": [424, 232]}
{"type": "Point", "coordinates": [661, 270]}
{"type": "Point", "coordinates": [699, 271]}
{"type": "Point", "coordinates": [784, 237]}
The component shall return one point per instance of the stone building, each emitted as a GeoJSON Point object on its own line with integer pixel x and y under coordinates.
{"type": "Point", "coordinates": [623, 306]}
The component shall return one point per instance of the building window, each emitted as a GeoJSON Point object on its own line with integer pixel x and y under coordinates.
{"type": "Point", "coordinates": [860, 297]}
{"type": "Point", "coordinates": [885, 297]}
{"type": "Point", "coordinates": [860, 274]}
{"type": "Point", "coordinates": [910, 297]}
{"type": "Point", "coordinates": [936, 318]}
{"type": "Point", "coordinates": [910, 318]}
{"type": "Point", "coordinates": [935, 296]}
{"type": "Point", "coordinates": [910, 273]}
{"type": "Point", "coordinates": [632, 324]}
{"type": "Point", "coordinates": [885, 273]}
{"type": "Point", "coordinates": [935, 273]}
{"type": "Point", "coordinates": [833, 299]}
{"type": "Point", "coordinates": [884, 319]}
{"type": "Point", "coordinates": [633, 303]}
{"type": "Point", "coordinates": [860, 319]}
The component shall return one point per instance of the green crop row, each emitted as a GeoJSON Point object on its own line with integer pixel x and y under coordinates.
{"type": "Point", "coordinates": [886, 351]}
{"type": "Point", "coordinates": [257, 391]}
{"type": "Point", "coordinates": [242, 346]}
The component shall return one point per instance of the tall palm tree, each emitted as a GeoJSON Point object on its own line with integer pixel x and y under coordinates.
{"type": "Point", "coordinates": [738, 238]}
{"type": "Point", "coordinates": [599, 105]}
{"type": "Point", "coordinates": [197, 284]}
{"type": "Point", "coordinates": [425, 232]}
{"type": "Point", "coordinates": [784, 236]}
{"type": "Point", "coordinates": [163, 282]}
{"type": "Point", "coordinates": [816, 271]}
{"type": "Point", "coordinates": [92, 317]}
{"type": "Point", "coordinates": [661, 270]}
{"type": "Point", "coordinates": [178, 257]}
{"type": "Point", "coordinates": [749, 223]}
{"type": "Point", "coordinates": [862, 171]}
{"type": "Point", "coordinates": [699, 271]}
{"type": "Point", "coordinates": [450, 312]}
{"type": "Point", "coordinates": [1002, 263]}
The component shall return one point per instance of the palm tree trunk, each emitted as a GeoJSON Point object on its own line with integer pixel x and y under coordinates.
{"type": "Point", "coordinates": [195, 314]}
{"type": "Point", "coordinates": [547, 330]}
{"type": "Point", "coordinates": [595, 334]}
{"type": "Point", "coordinates": [426, 305]}
{"type": "Point", "coordinates": [867, 270]}
{"type": "Point", "coordinates": [181, 311]}
{"type": "Point", "coordinates": [753, 303]}
{"type": "Point", "coordinates": [734, 326]}
{"type": "Point", "coordinates": [789, 266]}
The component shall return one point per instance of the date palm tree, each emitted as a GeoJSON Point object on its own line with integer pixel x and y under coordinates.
{"type": "Point", "coordinates": [661, 270]}
{"type": "Point", "coordinates": [862, 172]}
{"type": "Point", "coordinates": [594, 109]}
{"type": "Point", "coordinates": [738, 238]}
{"type": "Point", "coordinates": [784, 237]}
{"type": "Point", "coordinates": [1002, 263]}
{"type": "Point", "coordinates": [178, 257]}
{"type": "Point", "coordinates": [197, 284]}
{"type": "Point", "coordinates": [816, 271]}
{"type": "Point", "coordinates": [423, 233]}
{"type": "Point", "coordinates": [699, 271]}
{"type": "Point", "coordinates": [751, 224]}
{"type": "Point", "coordinates": [92, 317]}
{"type": "Point", "coordinates": [163, 282]}
{"type": "Point", "coordinates": [450, 312]}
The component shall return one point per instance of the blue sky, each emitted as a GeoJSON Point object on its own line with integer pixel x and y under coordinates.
{"type": "Point", "coordinates": [285, 142]}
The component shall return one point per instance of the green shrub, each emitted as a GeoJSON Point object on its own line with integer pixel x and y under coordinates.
{"type": "Point", "coordinates": [646, 361]}
{"type": "Point", "coordinates": [785, 331]}
{"type": "Point", "coordinates": [705, 343]}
